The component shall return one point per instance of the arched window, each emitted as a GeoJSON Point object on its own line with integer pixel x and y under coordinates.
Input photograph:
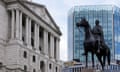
{"type": "Point", "coordinates": [25, 68]}
{"type": "Point", "coordinates": [1, 64]}
{"type": "Point", "coordinates": [34, 70]}
{"type": "Point", "coordinates": [56, 69]}
{"type": "Point", "coordinates": [42, 66]}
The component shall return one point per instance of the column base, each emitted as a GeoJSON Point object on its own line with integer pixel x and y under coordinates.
{"type": "Point", "coordinates": [13, 66]}
{"type": "Point", "coordinates": [46, 56]}
{"type": "Point", "coordinates": [38, 51]}
{"type": "Point", "coordinates": [58, 61]}
{"type": "Point", "coordinates": [53, 59]}
{"type": "Point", "coordinates": [29, 47]}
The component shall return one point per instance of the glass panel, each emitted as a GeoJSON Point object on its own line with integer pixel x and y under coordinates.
{"type": "Point", "coordinates": [104, 14]}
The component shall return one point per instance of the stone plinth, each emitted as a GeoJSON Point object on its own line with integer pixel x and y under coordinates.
{"type": "Point", "coordinates": [88, 70]}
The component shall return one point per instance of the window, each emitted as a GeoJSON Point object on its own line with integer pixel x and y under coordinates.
{"type": "Point", "coordinates": [34, 70]}
{"type": "Point", "coordinates": [32, 42]}
{"type": "Point", "coordinates": [25, 54]}
{"type": "Point", "coordinates": [32, 27]}
{"type": "Point", "coordinates": [1, 64]}
{"type": "Point", "coordinates": [23, 39]}
{"type": "Point", "coordinates": [25, 68]}
{"type": "Point", "coordinates": [32, 33]}
{"type": "Point", "coordinates": [42, 66]}
{"type": "Point", "coordinates": [23, 20]}
{"type": "Point", "coordinates": [55, 47]}
{"type": "Point", "coordinates": [23, 27]}
{"type": "Point", "coordinates": [50, 66]}
{"type": "Point", "coordinates": [56, 69]}
{"type": "Point", "coordinates": [34, 58]}
{"type": "Point", "coordinates": [49, 37]}
{"type": "Point", "coordinates": [41, 32]}
{"type": "Point", "coordinates": [40, 48]}
{"type": "Point", "coordinates": [49, 43]}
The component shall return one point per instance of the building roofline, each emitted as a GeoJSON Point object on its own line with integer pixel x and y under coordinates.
{"type": "Point", "coordinates": [33, 3]}
{"type": "Point", "coordinates": [21, 2]}
{"type": "Point", "coordinates": [46, 10]}
{"type": "Point", "coordinates": [94, 5]}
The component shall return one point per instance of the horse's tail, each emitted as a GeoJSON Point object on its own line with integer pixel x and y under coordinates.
{"type": "Point", "coordinates": [108, 56]}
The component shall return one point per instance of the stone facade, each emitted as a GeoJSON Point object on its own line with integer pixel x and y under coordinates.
{"type": "Point", "coordinates": [29, 38]}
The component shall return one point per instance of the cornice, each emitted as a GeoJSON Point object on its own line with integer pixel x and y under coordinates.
{"type": "Point", "coordinates": [17, 4]}
{"type": "Point", "coordinates": [46, 12]}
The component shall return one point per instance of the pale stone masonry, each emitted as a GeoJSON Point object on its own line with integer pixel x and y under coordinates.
{"type": "Point", "coordinates": [29, 38]}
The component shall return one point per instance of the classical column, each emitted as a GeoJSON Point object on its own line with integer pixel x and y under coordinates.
{"type": "Point", "coordinates": [57, 49]}
{"type": "Point", "coordinates": [29, 32]}
{"type": "Point", "coordinates": [13, 24]}
{"type": "Point", "coordinates": [36, 37]}
{"type": "Point", "coordinates": [45, 42]}
{"type": "Point", "coordinates": [20, 25]}
{"type": "Point", "coordinates": [52, 46]}
{"type": "Point", "coordinates": [26, 30]}
{"type": "Point", "coordinates": [17, 24]}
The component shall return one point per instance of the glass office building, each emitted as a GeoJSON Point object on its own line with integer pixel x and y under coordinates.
{"type": "Point", "coordinates": [109, 17]}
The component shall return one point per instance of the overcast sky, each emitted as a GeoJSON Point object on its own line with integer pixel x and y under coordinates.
{"type": "Point", "coordinates": [59, 9]}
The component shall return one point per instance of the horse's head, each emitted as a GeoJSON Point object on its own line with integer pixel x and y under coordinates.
{"type": "Point", "coordinates": [83, 23]}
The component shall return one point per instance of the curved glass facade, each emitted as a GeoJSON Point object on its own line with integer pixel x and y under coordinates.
{"type": "Point", "coordinates": [109, 17]}
{"type": "Point", "coordinates": [116, 32]}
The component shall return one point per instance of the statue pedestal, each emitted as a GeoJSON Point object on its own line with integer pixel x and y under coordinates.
{"type": "Point", "coordinates": [87, 70]}
{"type": "Point", "coordinates": [90, 70]}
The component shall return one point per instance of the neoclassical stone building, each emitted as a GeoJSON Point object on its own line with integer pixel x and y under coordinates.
{"type": "Point", "coordinates": [29, 38]}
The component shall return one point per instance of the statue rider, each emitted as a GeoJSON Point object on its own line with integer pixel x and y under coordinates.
{"type": "Point", "coordinates": [98, 33]}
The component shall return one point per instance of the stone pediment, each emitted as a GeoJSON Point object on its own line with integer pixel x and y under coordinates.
{"type": "Point", "coordinates": [36, 12]}
{"type": "Point", "coordinates": [42, 11]}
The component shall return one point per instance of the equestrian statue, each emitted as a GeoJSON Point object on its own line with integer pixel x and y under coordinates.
{"type": "Point", "coordinates": [94, 43]}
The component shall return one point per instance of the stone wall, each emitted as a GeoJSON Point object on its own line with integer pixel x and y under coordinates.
{"type": "Point", "coordinates": [5, 69]}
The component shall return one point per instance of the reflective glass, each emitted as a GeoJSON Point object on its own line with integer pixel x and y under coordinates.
{"type": "Point", "coordinates": [109, 18]}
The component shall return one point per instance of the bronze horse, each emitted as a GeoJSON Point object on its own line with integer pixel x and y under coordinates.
{"type": "Point", "coordinates": [92, 46]}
